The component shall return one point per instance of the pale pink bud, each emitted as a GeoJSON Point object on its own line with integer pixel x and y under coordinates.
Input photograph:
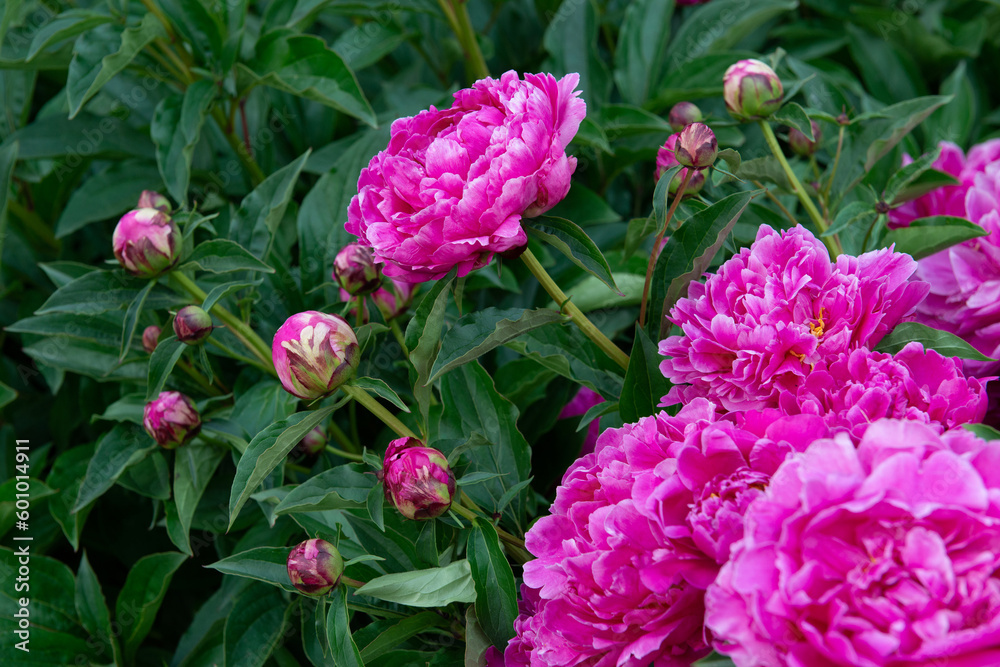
{"type": "Point", "coordinates": [682, 115]}
{"type": "Point", "coordinates": [314, 353]}
{"type": "Point", "coordinates": [800, 143]}
{"type": "Point", "coordinates": [153, 199]}
{"type": "Point", "coordinates": [752, 90]}
{"type": "Point", "coordinates": [149, 337]}
{"type": "Point", "coordinates": [355, 270]}
{"type": "Point", "coordinates": [146, 242]}
{"type": "Point", "coordinates": [697, 146]}
{"type": "Point", "coordinates": [192, 325]}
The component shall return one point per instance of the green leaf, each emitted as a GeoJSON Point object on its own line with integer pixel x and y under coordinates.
{"type": "Point", "coordinates": [262, 210]}
{"type": "Point", "coordinates": [644, 384]}
{"type": "Point", "coordinates": [344, 652]}
{"type": "Point", "coordinates": [124, 445]}
{"type": "Point", "coordinates": [267, 564]}
{"type": "Point", "coordinates": [344, 487]}
{"type": "Point", "coordinates": [224, 256]}
{"type": "Point", "coordinates": [983, 431]}
{"type": "Point", "coordinates": [150, 477]}
{"type": "Point", "coordinates": [566, 351]}
{"type": "Point", "coordinates": [423, 336]}
{"type": "Point", "coordinates": [569, 239]}
{"type": "Point", "coordinates": [472, 405]}
{"type": "Point", "coordinates": [175, 130]}
{"type": "Point", "coordinates": [8, 157]}
{"type": "Point", "coordinates": [399, 632]}
{"type": "Point", "coordinates": [926, 236]}
{"type": "Point", "coordinates": [380, 389]}
{"type": "Point", "coordinates": [140, 598]}
{"type": "Point", "coordinates": [639, 229]}
{"type": "Point", "coordinates": [642, 43]}
{"type": "Point", "coordinates": [954, 121]}
{"type": "Point", "coordinates": [222, 291]}
{"type": "Point", "coordinates": [766, 169]}
{"type": "Point", "coordinates": [7, 395]}
{"type": "Point", "coordinates": [496, 592]}
{"type": "Point", "coordinates": [103, 291]}
{"type": "Point", "coordinates": [52, 588]}
{"type": "Point", "coordinates": [254, 626]}
{"type": "Point", "coordinates": [946, 344]}
{"type": "Point", "coordinates": [719, 26]}
{"type": "Point", "coordinates": [433, 587]}
{"type": "Point", "coordinates": [365, 44]}
{"type": "Point", "coordinates": [302, 65]}
{"type": "Point", "coordinates": [928, 181]}
{"type": "Point", "coordinates": [107, 137]}
{"type": "Point", "coordinates": [107, 194]}
{"type": "Point", "coordinates": [161, 362]}
{"type": "Point", "coordinates": [68, 24]}
{"type": "Point", "coordinates": [194, 465]}
{"type": "Point", "coordinates": [571, 41]}
{"type": "Point", "coordinates": [900, 120]}
{"type": "Point", "coordinates": [263, 404]}
{"type": "Point", "coordinates": [94, 62]}
{"type": "Point", "coordinates": [795, 116]}
{"type": "Point", "coordinates": [688, 253]}
{"type": "Point", "coordinates": [850, 215]}
{"type": "Point", "coordinates": [268, 450]}
{"type": "Point", "coordinates": [92, 609]}
{"type": "Point", "coordinates": [132, 318]}
{"type": "Point", "coordinates": [478, 332]}
{"type": "Point", "coordinates": [375, 503]}
{"type": "Point", "coordinates": [903, 178]}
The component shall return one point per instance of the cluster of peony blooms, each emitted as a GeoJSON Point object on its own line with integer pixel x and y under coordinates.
{"type": "Point", "coordinates": [814, 502]}
{"type": "Point", "coordinates": [965, 279]}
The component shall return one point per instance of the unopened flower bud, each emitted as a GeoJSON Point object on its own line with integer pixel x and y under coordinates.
{"type": "Point", "coordinates": [394, 301]}
{"type": "Point", "coordinates": [311, 444]}
{"type": "Point", "coordinates": [682, 115]}
{"type": "Point", "coordinates": [153, 199]}
{"type": "Point", "coordinates": [800, 143]}
{"type": "Point", "coordinates": [146, 242]}
{"type": "Point", "coordinates": [752, 90]}
{"type": "Point", "coordinates": [697, 146]}
{"type": "Point", "coordinates": [418, 481]}
{"type": "Point", "coordinates": [192, 325]}
{"type": "Point", "coordinates": [314, 353]}
{"type": "Point", "coordinates": [354, 268]}
{"type": "Point", "coordinates": [315, 567]}
{"type": "Point", "coordinates": [171, 419]}
{"type": "Point", "coordinates": [665, 159]}
{"type": "Point", "coordinates": [149, 337]}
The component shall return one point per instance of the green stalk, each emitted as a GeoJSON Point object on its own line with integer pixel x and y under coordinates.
{"type": "Point", "coordinates": [688, 174]}
{"type": "Point", "coordinates": [575, 314]}
{"type": "Point", "coordinates": [800, 192]}
{"type": "Point", "coordinates": [242, 331]}
{"type": "Point", "coordinates": [257, 175]}
{"type": "Point", "coordinates": [476, 64]}
{"type": "Point", "coordinates": [373, 406]}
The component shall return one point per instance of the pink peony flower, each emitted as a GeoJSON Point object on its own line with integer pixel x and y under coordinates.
{"type": "Point", "coordinates": [964, 280]}
{"type": "Point", "coordinates": [757, 327]}
{"type": "Point", "coordinates": [856, 388]}
{"type": "Point", "coordinates": [452, 186]}
{"type": "Point", "coordinates": [314, 353]}
{"type": "Point", "coordinates": [171, 419]}
{"type": "Point", "coordinates": [881, 556]}
{"type": "Point", "coordinates": [637, 532]}
{"type": "Point", "coordinates": [584, 400]}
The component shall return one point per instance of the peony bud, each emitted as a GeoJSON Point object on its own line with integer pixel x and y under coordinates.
{"type": "Point", "coordinates": [171, 419]}
{"type": "Point", "coordinates": [393, 302]}
{"type": "Point", "coordinates": [356, 271]}
{"type": "Point", "coordinates": [311, 444]}
{"type": "Point", "coordinates": [665, 159]}
{"type": "Point", "coordinates": [752, 90]}
{"type": "Point", "coordinates": [149, 337]}
{"type": "Point", "coordinates": [153, 199]}
{"type": "Point", "coordinates": [315, 567]}
{"type": "Point", "coordinates": [697, 146]}
{"type": "Point", "coordinates": [314, 353]}
{"type": "Point", "coordinates": [192, 325]}
{"type": "Point", "coordinates": [418, 481]}
{"type": "Point", "coordinates": [146, 242]}
{"type": "Point", "coordinates": [800, 142]}
{"type": "Point", "coordinates": [682, 115]}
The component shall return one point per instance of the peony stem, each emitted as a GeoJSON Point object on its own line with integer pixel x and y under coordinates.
{"type": "Point", "coordinates": [457, 16]}
{"type": "Point", "coordinates": [575, 314]}
{"type": "Point", "coordinates": [345, 455]}
{"type": "Point", "coordinates": [341, 437]}
{"type": "Point", "coordinates": [249, 163]}
{"type": "Point", "coordinates": [468, 510]}
{"type": "Point", "coordinates": [398, 333]}
{"type": "Point", "coordinates": [244, 333]}
{"type": "Point", "coordinates": [772, 141]}
{"type": "Point", "coordinates": [653, 256]}
{"type": "Point", "coordinates": [373, 406]}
